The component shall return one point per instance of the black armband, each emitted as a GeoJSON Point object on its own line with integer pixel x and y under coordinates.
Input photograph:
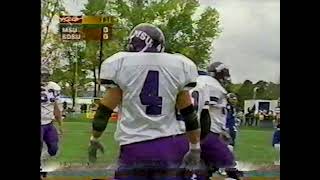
{"type": "Point", "coordinates": [205, 123]}
{"type": "Point", "coordinates": [190, 118]}
{"type": "Point", "coordinates": [101, 118]}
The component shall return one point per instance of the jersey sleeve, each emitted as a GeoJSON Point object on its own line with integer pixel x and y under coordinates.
{"type": "Point", "coordinates": [191, 74]}
{"type": "Point", "coordinates": [216, 93]}
{"type": "Point", "coordinates": [109, 71]}
{"type": "Point", "coordinates": [214, 96]}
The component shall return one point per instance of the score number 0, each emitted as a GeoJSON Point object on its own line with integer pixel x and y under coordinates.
{"type": "Point", "coordinates": [105, 32]}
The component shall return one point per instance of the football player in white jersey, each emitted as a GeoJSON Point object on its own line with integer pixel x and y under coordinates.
{"type": "Point", "coordinates": [148, 86]}
{"type": "Point", "coordinates": [49, 111]}
{"type": "Point", "coordinates": [209, 96]}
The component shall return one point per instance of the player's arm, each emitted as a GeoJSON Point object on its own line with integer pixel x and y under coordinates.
{"type": "Point", "coordinates": [112, 97]}
{"type": "Point", "coordinates": [57, 113]}
{"type": "Point", "coordinates": [109, 102]}
{"type": "Point", "coordinates": [58, 117]}
{"type": "Point", "coordinates": [184, 104]}
{"type": "Point", "coordinates": [186, 108]}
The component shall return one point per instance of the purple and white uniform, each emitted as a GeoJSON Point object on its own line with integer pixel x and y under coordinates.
{"type": "Point", "coordinates": [209, 94]}
{"type": "Point", "coordinates": [49, 96]}
{"type": "Point", "coordinates": [148, 131]}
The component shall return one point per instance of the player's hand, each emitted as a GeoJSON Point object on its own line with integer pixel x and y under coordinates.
{"type": "Point", "coordinates": [94, 146]}
{"type": "Point", "coordinates": [60, 131]}
{"type": "Point", "coordinates": [192, 160]}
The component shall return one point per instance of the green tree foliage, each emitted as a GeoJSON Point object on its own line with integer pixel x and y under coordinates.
{"type": "Point", "coordinates": [185, 33]}
{"type": "Point", "coordinates": [72, 75]}
{"type": "Point", "coordinates": [273, 91]}
{"type": "Point", "coordinates": [94, 49]}
{"type": "Point", "coordinates": [49, 9]}
{"type": "Point", "coordinates": [188, 30]}
{"type": "Point", "coordinates": [245, 91]}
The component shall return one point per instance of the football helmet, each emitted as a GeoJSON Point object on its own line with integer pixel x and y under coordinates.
{"type": "Point", "coordinates": [146, 38]}
{"type": "Point", "coordinates": [219, 71]}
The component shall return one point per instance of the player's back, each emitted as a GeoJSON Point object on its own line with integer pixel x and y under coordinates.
{"type": "Point", "coordinates": [217, 105]}
{"type": "Point", "coordinates": [150, 83]}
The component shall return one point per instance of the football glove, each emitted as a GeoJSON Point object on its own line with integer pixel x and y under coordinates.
{"type": "Point", "coordinates": [94, 146]}
{"type": "Point", "coordinates": [60, 131]}
{"type": "Point", "coordinates": [192, 160]}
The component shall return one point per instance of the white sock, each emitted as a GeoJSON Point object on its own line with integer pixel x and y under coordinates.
{"type": "Point", "coordinates": [230, 148]}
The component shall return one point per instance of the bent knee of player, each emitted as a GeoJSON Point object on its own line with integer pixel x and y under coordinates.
{"type": "Point", "coordinates": [226, 159]}
{"type": "Point", "coordinates": [52, 149]}
{"type": "Point", "coordinates": [230, 161]}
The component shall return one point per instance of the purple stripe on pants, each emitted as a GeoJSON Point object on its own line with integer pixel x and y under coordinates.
{"type": "Point", "coordinates": [154, 159]}
{"type": "Point", "coordinates": [49, 135]}
{"type": "Point", "coordinates": [215, 152]}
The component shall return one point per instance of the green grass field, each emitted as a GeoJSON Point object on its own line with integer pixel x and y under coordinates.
{"type": "Point", "coordinates": [253, 145]}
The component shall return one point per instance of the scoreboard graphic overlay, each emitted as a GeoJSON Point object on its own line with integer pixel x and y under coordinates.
{"type": "Point", "coordinates": [89, 28]}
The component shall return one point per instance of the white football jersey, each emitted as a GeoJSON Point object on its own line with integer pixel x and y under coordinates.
{"type": "Point", "coordinates": [199, 94]}
{"type": "Point", "coordinates": [217, 105]}
{"type": "Point", "coordinates": [209, 94]}
{"type": "Point", "coordinates": [150, 83]}
{"type": "Point", "coordinates": [50, 93]}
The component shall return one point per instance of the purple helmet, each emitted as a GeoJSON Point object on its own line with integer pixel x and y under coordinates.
{"type": "Point", "coordinates": [146, 38]}
{"type": "Point", "coordinates": [219, 71]}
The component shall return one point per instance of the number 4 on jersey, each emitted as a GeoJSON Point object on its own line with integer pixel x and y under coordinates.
{"type": "Point", "coordinates": [149, 94]}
